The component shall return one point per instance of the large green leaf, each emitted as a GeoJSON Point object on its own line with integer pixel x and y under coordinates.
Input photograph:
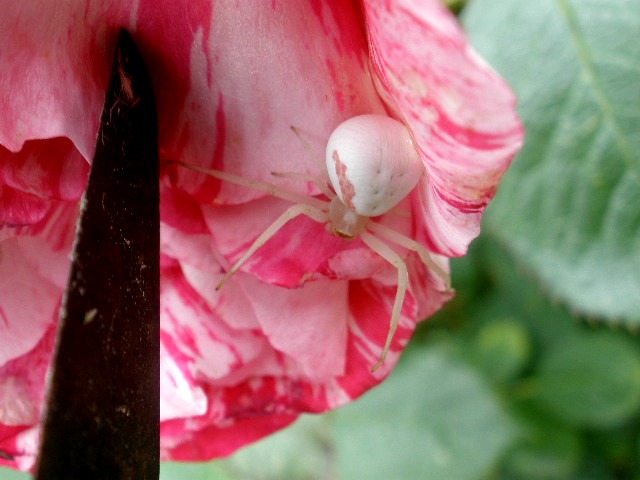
{"type": "Point", "coordinates": [591, 380]}
{"type": "Point", "coordinates": [434, 418]}
{"type": "Point", "coordinates": [569, 207]}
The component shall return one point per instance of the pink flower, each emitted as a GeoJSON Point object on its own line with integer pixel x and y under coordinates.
{"type": "Point", "coordinates": [299, 327]}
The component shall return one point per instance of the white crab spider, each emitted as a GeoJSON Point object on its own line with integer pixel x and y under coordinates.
{"type": "Point", "coordinates": [372, 164]}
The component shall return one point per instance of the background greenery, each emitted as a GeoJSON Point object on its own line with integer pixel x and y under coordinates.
{"type": "Point", "coordinates": [533, 371]}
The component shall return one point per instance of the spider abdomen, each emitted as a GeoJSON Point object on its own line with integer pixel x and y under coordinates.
{"type": "Point", "coordinates": [372, 163]}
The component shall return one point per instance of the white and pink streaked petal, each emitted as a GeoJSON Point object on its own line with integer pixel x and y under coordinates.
{"type": "Point", "coordinates": [32, 178]}
{"type": "Point", "coordinates": [22, 320]}
{"type": "Point", "coordinates": [359, 262]}
{"type": "Point", "coordinates": [370, 304]}
{"type": "Point", "coordinates": [233, 415]}
{"type": "Point", "coordinates": [427, 287]}
{"type": "Point", "coordinates": [22, 384]}
{"type": "Point", "coordinates": [33, 265]}
{"type": "Point", "coordinates": [20, 208]}
{"type": "Point", "coordinates": [311, 251]}
{"type": "Point", "coordinates": [60, 56]}
{"type": "Point", "coordinates": [217, 108]}
{"type": "Point", "coordinates": [305, 242]}
{"type": "Point", "coordinates": [180, 397]}
{"type": "Point", "coordinates": [354, 264]}
{"type": "Point", "coordinates": [51, 170]}
{"type": "Point", "coordinates": [290, 331]}
{"type": "Point", "coordinates": [370, 307]}
{"type": "Point", "coordinates": [239, 122]}
{"type": "Point", "coordinates": [198, 338]}
{"type": "Point", "coordinates": [461, 113]}
{"type": "Point", "coordinates": [308, 325]}
{"type": "Point", "coordinates": [222, 431]}
{"type": "Point", "coordinates": [190, 250]}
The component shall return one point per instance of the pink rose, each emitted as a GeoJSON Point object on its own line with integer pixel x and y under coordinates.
{"type": "Point", "coordinates": [300, 326]}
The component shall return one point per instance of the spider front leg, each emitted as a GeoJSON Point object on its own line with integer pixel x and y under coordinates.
{"type": "Point", "coordinates": [393, 258]}
{"type": "Point", "coordinates": [313, 212]}
{"type": "Point", "coordinates": [319, 183]}
{"type": "Point", "coordinates": [266, 187]}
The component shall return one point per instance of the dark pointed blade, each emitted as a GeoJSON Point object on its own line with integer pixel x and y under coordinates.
{"type": "Point", "coordinates": [102, 418]}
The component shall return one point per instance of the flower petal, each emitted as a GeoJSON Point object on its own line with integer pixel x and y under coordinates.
{"type": "Point", "coordinates": [22, 391]}
{"type": "Point", "coordinates": [231, 115]}
{"type": "Point", "coordinates": [461, 113]}
{"type": "Point", "coordinates": [33, 265]}
{"type": "Point", "coordinates": [19, 208]}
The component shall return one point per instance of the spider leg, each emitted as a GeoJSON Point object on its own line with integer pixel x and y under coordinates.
{"type": "Point", "coordinates": [311, 211]}
{"type": "Point", "coordinates": [393, 258]}
{"type": "Point", "coordinates": [269, 188]}
{"type": "Point", "coordinates": [318, 182]}
{"type": "Point", "coordinates": [307, 146]}
{"type": "Point", "coordinates": [406, 242]}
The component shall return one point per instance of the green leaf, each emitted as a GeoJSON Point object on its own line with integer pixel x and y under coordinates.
{"type": "Point", "coordinates": [570, 205]}
{"type": "Point", "coordinates": [433, 418]}
{"type": "Point", "coordinates": [591, 380]}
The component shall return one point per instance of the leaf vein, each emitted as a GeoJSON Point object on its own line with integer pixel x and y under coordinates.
{"type": "Point", "coordinates": [589, 70]}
